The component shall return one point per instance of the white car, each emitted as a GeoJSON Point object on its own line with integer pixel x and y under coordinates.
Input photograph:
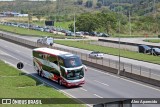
{"type": "Point", "coordinates": [96, 54]}
{"type": "Point", "coordinates": [46, 40]}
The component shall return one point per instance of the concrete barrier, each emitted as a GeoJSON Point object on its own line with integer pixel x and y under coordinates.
{"type": "Point", "coordinates": [31, 44]}
{"type": "Point", "coordinates": [125, 43]}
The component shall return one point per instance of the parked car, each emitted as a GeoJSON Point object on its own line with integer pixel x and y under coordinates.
{"type": "Point", "coordinates": [69, 33]}
{"type": "Point", "coordinates": [104, 35]}
{"type": "Point", "coordinates": [144, 49]}
{"type": "Point", "coordinates": [79, 34]}
{"type": "Point", "coordinates": [93, 33]}
{"type": "Point", "coordinates": [155, 51]}
{"type": "Point", "coordinates": [86, 33]}
{"type": "Point", "coordinates": [96, 54]}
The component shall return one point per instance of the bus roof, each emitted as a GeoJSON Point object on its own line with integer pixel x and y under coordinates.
{"type": "Point", "coordinates": [52, 51]}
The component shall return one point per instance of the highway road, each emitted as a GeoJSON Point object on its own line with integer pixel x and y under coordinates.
{"type": "Point", "coordinates": [125, 60]}
{"type": "Point", "coordinates": [98, 84]}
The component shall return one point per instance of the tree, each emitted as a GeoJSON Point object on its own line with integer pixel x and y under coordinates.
{"type": "Point", "coordinates": [107, 21]}
{"type": "Point", "coordinates": [79, 2]}
{"type": "Point", "coordinates": [71, 27]}
{"type": "Point", "coordinates": [87, 22]}
{"type": "Point", "coordinates": [29, 17]}
{"type": "Point", "coordinates": [89, 3]}
{"type": "Point", "coordinates": [99, 4]}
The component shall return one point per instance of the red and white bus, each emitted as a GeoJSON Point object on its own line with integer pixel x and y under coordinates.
{"type": "Point", "coordinates": [63, 67]}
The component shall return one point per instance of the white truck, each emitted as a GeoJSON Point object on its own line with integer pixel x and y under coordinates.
{"type": "Point", "coordinates": [46, 40]}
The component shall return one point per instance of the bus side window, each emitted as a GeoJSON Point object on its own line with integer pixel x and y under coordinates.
{"type": "Point", "coordinates": [42, 56]}
{"type": "Point", "coordinates": [56, 62]}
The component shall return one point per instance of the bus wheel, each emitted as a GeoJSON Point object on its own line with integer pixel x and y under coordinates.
{"type": "Point", "coordinates": [41, 74]}
{"type": "Point", "coordinates": [59, 81]}
{"type": "Point", "coordinates": [38, 72]}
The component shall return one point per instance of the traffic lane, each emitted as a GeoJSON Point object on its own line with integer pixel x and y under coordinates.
{"type": "Point", "coordinates": [28, 62]}
{"type": "Point", "coordinates": [126, 60]}
{"type": "Point", "coordinates": [119, 85]}
{"type": "Point", "coordinates": [89, 75]}
{"type": "Point", "coordinates": [10, 45]}
{"type": "Point", "coordinates": [105, 62]}
{"type": "Point", "coordinates": [114, 58]}
{"type": "Point", "coordinates": [53, 84]}
{"type": "Point", "coordinates": [78, 92]}
{"type": "Point", "coordinates": [96, 95]}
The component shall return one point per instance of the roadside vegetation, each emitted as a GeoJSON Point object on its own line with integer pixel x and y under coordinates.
{"type": "Point", "coordinates": [29, 32]}
{"type": "Point", "coordinates": [15, 84]}
{"type": "Point", "coordinates": [113, 51]}
{"type": "Point", "coordinates": [152, 40]}
{"type": "Point", "coordinates": [63, 25]}
{"type": "Point", "coordinates": [125, 18]}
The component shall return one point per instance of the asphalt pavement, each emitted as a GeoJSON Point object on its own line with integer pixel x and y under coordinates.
{"type": "Point", "coordinates": [98, 84]}
{"type": "Point", "coordinates": [112, 57]}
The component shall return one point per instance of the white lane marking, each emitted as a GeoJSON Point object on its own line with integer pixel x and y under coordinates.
{"type": "Point", "coordinates": [97, 95]}
{"type": "Point", "coordinates": [67, 94]}
{"type": "Point", "coordinates": [83, 89]}
{"type": "Point", "coordinates": [125, 79]}
{"type": "Point", "coordinates": [102, 83]}
{"type": "Point", "coordinates": [112, 76]}
{"type": "Point", "coordinates": [10, 55]}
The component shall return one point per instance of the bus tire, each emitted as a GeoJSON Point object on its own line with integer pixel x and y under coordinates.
{"type": "Point", "coordinates": [38, 72]}
{"type": "Point", "coordinates": [59, 81]}
{"type": "Point", "coordinates": [41, 74]}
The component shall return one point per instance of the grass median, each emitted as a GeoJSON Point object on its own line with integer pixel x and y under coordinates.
{"type": "Point", "coordinates": [15, 84]}
{"type": "Point", "coordinates": [112, 51]}
{"type": "Point", "coordinates": [29, 32]}
{"type": "Point", "coordinates": [152, 40]}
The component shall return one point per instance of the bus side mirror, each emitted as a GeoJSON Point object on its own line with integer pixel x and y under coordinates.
{"type": "Point", "coordinates": [85, 68]}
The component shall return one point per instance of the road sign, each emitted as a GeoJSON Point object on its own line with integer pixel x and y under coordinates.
{"type": "Point", "coordinates": [20, 65]}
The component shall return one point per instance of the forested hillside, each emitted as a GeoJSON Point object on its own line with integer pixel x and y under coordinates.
{"type": "Point", "coordinates": [136, 16]}
{"type": "Point", "coordinates": [136, 7]}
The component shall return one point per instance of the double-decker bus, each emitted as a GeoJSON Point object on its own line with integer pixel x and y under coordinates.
{"type": "Point", "coordinates": [63, 67]}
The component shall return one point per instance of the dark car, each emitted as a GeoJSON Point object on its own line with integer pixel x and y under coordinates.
{"type": "Point", "coordinates": [144, 49]}
{"type": "Point", "coordinates": [93, 33]}
{"type": "Point", "coordinates": [155, 51]}
{"type": "Point", "coordinates": [86, 33]}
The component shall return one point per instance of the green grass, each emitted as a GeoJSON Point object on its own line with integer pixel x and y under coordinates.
{"type": "Point", "coordinates": [14, 85]}
{"type": "Point", "coordinates": [63, 25]}
{"type": "Point", "coordinates": [28, 32]}
{"type": "Point", "coordinates": [135, 35]}
{"type": "Point", "coordinates": [152, 40]}
{"type": "Point", "coordinates": [112, 51]}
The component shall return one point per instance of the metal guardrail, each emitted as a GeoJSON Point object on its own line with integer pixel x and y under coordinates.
{"type": "Point", "coordinates": [134, 69]}
{"type": "Point", "coordinates": [127, 67]}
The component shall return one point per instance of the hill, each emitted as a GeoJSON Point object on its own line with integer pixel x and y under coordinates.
{"type": "Point", "coordinates": [67, 7]}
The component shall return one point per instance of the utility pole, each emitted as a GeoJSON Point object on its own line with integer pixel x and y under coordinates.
{"type": "Point", "coordinates": [74, 21]}
{"type": "Point", "coordinates": [155, 12]}
{"type": "Point", "coordinates": [130, 29]}
{"type": "Point", "coordinates": [119, 43]}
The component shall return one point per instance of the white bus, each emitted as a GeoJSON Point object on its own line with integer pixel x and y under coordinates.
{"type": "Point", "coordinates": [63, 67]}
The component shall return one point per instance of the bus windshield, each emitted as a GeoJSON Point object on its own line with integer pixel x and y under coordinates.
{"type": "Point", "coordinates": [75, 74]}
{"type": "Point", "coordinates": [72, 62]}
